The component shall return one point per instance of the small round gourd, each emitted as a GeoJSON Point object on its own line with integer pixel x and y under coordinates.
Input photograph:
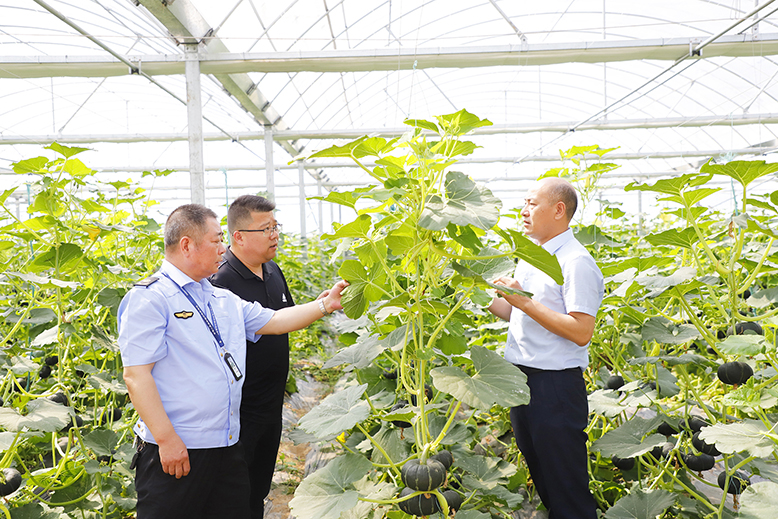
{"type": "Point", "coordinates": [12, 480]}
{"type": "Point", "coordinates": [453, 499]}
{"type": "Point", "coordinates": [418, 505]}
{"type": "Point", "coordinates": [734, 373]}
{"type": "Point", "coordinates": [703, 447]}
{"type": "Point", "coordinates": [445, 457]}
{"type": "Point", "coordinates": [623, 463]}
{"type": "Point", "coordinates": [737, 482]}
{"type": "Point", "coordinates": [699, 463]}
{"type": "Point", "coordinates": [423, 477]}
{"type": "Point", "coordinates": [614, 382]}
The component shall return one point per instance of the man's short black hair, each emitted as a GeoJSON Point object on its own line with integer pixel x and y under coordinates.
{"type": "Point", "coordinates": [239, 213]}
{"type": "Point", "coordinates": [187, 220]}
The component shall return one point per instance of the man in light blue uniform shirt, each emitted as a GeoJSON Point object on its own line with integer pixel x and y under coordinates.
{"type": "Point", "coordinates": [548, 337]}
{"type": "Point", "coordinates": [183, 346]}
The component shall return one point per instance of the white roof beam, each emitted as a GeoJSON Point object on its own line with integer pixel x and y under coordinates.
{"type": "Point", "coordinates": [497, 129]}
{"type": "Point", "coordinates": [186, 25]}
{"type": "Point", "coordinates": [219, 61]}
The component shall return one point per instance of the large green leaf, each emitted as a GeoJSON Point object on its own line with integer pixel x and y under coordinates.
{"type": "Point", "coordinates": [760, 501]}
{"type": "Point", "coordinates": [372, 490]}
{"type": "Point", "coordinates": [389, 439]}
{"type": "Point", "coordinates": [763, 298]}
{"type": "Point", "coordinates": [534, 254]}
{"type": "Point", "coordinates": [43, 415]}
{"type": "Point", "coordinates": [640, 504]}
{"type": "Point", "coordinates": [671, 186]}
{"type": "Point", "coordinates": [329, 491]}
{"type": "Point", "coordinates": [359, 228]}
{"type": "Point", "coordinates": [364, 286]}
{"type": "Point", "coordinates": [671, 360]}
{"type": "Point", "coordinates": [461, 122]}
{"type": "Point", "coordinates": [678, 277]}
{"type": "Point", "coordinates": [495, 381]}
{"type": "Point", "coordinates": [338, 412]}
{"type": "Point", "coordinates": [359, 355]}
{"type": "Point", "coordinates": [101, 441]}
{"type": "Point", "coordinates": [750, 436]}
{"type": "Point", "coordinates": [605, 402]}
{"type": "Point", "coordinates": [663, 331]}
{"type": "Point", "coordinates": [65, 151]}
{"type": "Point", "coordinates": [744, 171]}
{"type": "Point", "coordinates": [467, 203]}
{"type": "Point", "coordinates": [33, 165]}
{"type": "Point", "coordinates": [685, 238]}
{"type": "Point", "coordinates": [345, 150]}
{"type": "Point", "coordinates": [44, 282]}
{"type": "Point", "coordinates": [489, 471]}
{"type": "Point", "coordinates": [593, 235]}
{"type": "Point", "coordinates": [742, 345]}
{"type": "Point", "coordinates": [627, 440]}
{"type": "Point", "coordinates": [484, 271]}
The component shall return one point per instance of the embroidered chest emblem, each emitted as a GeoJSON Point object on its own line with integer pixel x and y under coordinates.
{"type": "Point", "coordinates": [283, 298]}
{"type": "Point", "coordinates": [183, 314]}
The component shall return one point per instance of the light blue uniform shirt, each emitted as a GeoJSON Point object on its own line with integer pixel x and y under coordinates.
{"type": "Point", "coordinates": [198, 391]}
{"type": "Point", "coordinates": [529, 344]}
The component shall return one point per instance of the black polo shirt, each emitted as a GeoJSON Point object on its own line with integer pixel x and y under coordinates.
{"type": "Point", "coordinates": [267, 360]}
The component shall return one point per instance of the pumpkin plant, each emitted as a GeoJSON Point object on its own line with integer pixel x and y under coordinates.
{"type": "Point", "coordinates": [425, 245]}
{"type": "Point", "coordinates": [679, 328]}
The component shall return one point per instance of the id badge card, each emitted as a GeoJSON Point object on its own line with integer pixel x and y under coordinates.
{"type": "Point", "coordinates": [228, 358]}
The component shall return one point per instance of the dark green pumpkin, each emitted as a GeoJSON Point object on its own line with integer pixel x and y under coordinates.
{"type": "Point", "coordinates": [703, 447]}
{"type": "Point", "coordinates": [400, 423]}
{"type": "Point", "coordinates": [734, 373]}
{"type": "Point", "coordinates": [445, 457]}
{"type": "Point", "coordinates": [737, 482]}
{"type": "Point", "coordinates": [699, 463]}
{"type": "Point", "coordinates": [12, 480]}
{"type": "Point", "coordinates": [614, 382]}
{"type": "Point", "coordinates": [623, 463]}
{"type": "Point", "coordinates": [423, 477]}
{"type": "Point", "coordinates": [667, 429]}
{"type": "Point", "coordinates": [453, 499]}
{"type": "Point", "coordinates": [418, 505]}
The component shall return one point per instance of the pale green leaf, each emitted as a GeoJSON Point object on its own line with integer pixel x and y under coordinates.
{"type": "Point", "coordinates": [627, 441]}
{"type": "Point", "coordinates": [639, 504]}
{"type": "Point", "coordinates": [359, 355]}
{"type": "Point", "coordinates": [467, 203]}
{"type": "Point", "coordinates": [605, 402]}
{"type": "Point", "coordinates": [495, 381]}
{"type": "Point", "coordinates": [337, 413]}
{"type": "Point", "coordinates": [759, 501]}
{"type": "Point", "coordinates": [43, 415]}
{"type": "Point", "coordinates": [744, 171]}
{"type": "Point", "coordinates": [101, 441]}
{"type": "Point", "coordinates": [742, 345]}
{"type": "Point", "coordinates": [750, 436]}
{"type": "Point", "coordinates": [389, 440]}
{"type": "Point", "coordinates": [329, 491]}
{"type": "Point", "coordinates": [663, 331]}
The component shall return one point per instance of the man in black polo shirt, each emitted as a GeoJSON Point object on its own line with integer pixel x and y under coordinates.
{"type": "Point", "coordinates": [250, 272]}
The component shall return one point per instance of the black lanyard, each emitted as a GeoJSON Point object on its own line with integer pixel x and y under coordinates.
{"type": "Point", "coordinates": [212, 327]}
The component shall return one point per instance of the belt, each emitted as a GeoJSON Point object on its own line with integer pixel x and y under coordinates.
{"type": "Point", "coordinates": [532, 371]}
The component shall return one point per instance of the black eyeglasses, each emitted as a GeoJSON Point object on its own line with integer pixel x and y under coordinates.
{"type": "Point", "coordinates": [266, 231]}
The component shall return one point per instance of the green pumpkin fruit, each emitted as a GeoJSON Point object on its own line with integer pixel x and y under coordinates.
{"type": "Point", "coordinates": [423, 477]}
{"type": "Point", "coordinates": [418, 505]}
{"type": "Point", "coordinates": [734, 373]}
{"type": "Point", "coordinates": [12, 480]}
{"type": "Point", "coordinates": [445, 457]}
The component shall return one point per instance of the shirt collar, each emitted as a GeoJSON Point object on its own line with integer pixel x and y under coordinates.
{"type": "Point", "coordinates": [242, 269]}
{"type": "Point", "coordinates": [181, 279]}
{"type": "Point", "coordinates": [555, 243]}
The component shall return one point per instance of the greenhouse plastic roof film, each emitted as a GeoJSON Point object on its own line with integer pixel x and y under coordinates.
{"type": "Point", "coordinates": [108, 75]}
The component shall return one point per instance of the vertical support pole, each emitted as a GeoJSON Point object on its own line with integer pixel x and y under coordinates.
{"type": "Point", "coordinates": [269, 168]}
{"type": "Point", "coordinates": [194, 114]}
{"type": "Point", "coordinates": [641, 232]}
{"type": "Point", "coordinates": [301, 176]}
{"type": "Point", "coordinates": [318, 193]}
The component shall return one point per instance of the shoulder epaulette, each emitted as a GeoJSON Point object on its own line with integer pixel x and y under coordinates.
{"type": "Point", "coordinates": [146, 282]}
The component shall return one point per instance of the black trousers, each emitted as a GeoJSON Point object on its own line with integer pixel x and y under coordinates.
{"type": "Point", "coordinates": [217, 485]}
{"type": "Point", "coordinates": [260, 440]}
{"type": "Point", "coordinates": [550, 434]}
